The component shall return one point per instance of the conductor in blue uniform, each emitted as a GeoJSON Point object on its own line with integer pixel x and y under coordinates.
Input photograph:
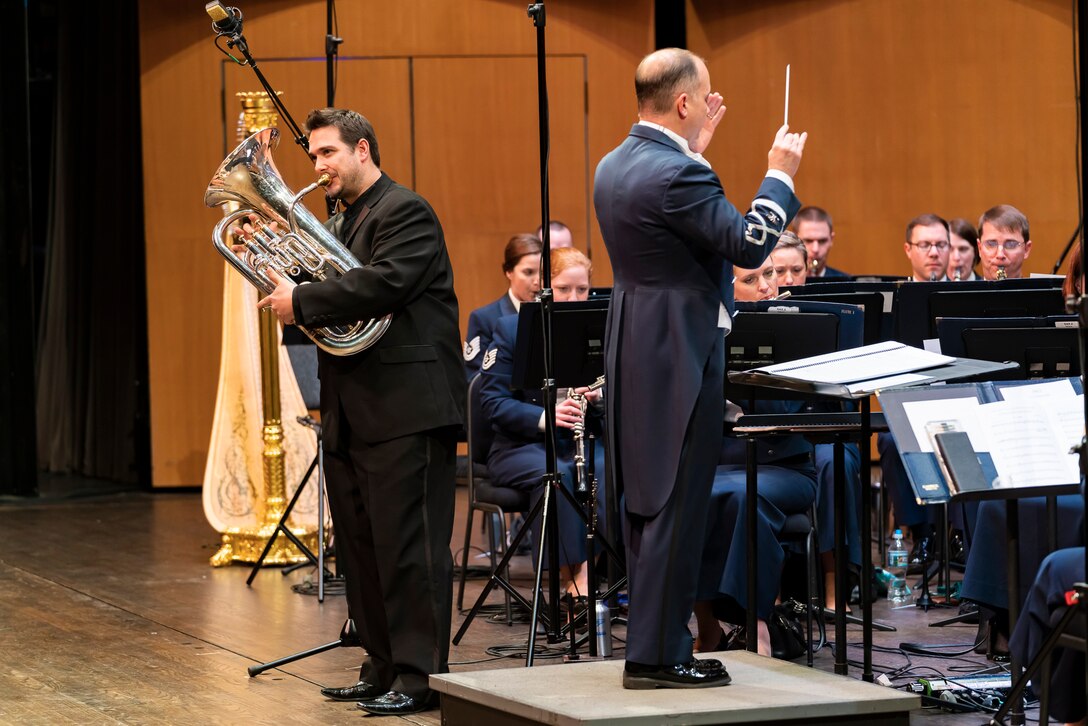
{"type": "Point", "coordinates": [672, 238]}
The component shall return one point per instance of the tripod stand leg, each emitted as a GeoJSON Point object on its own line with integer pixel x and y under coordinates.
{"type": "Point", "coordinates": [282, 527]}
{"type": "Point", "coordinates": [496, 579]}
{"type": "Point", "coordinates": [258, 669]}
{"type": "Point", "coordinates": [348, 638]}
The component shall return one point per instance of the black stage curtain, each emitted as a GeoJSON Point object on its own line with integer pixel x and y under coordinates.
{"type": "Point", "coordinates": [18, 474]}
{"type": "Point", "coordinates": [92, 341]}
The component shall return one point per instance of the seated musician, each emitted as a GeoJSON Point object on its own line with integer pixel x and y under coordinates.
{"type": "Point", "coordinates": [521, 265]}
{"type": "Point", "coordinates": [791, 265]}
{"type": "Point", "coordinates": [1059, 571]}
{"type": "Point", "coordinates": [963, 255]}
{"type": "Point", "coordinates": [790, 260]}
{"type": "Point", "coordinates": [986, 578]}
{"type": "Point", "coordinates": [517, 453]}
{"type": "Point", "coordinates": [787, 485]}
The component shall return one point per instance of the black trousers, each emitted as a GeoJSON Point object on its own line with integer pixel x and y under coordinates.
{"type": "Point", "coordinates": [392, 509]}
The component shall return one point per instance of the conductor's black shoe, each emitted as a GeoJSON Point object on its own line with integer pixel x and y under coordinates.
{"type": "Point", "coordinates": [361, 691]}
{"type": "Point", "coordinates": [393, 704]}
{"type": "Point", "coordinates": [683, 675]}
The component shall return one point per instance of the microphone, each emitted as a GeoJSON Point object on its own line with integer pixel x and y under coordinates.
{"type": "Point", "coordinates": [225, 21]}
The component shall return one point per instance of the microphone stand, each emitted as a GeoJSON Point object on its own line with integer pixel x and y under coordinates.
{"type": "Point", "coordinates": [235, 39]}
{"type": "Point", "coordinates": [549, 531]}
{"type": "Point", "coordinates": [1068, 246]}
{"type": "Point", "coordinates": [332, 49]}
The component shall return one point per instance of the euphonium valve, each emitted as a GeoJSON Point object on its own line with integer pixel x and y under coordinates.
{"type": "Point", "coordinates": [1001, 274]}
{"type": "Point", "coordinates": [249, 177]}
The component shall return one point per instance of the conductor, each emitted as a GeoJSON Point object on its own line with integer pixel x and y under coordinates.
{"type": "Point", "coordinates": [672, 238]}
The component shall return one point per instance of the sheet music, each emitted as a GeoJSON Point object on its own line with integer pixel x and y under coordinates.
{"type": "Point", "coordinates": [859, 364]}
{"type": "Point", "coordinates": [1024, 447]}
{"type": "Point", "coordinates": [964, 410]}
{"type": "Point", "coordinates": [1034, 392]}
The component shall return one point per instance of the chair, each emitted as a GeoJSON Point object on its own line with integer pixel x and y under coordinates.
{"type": "Point", "coordinates": [801, 527]}
{"type": "Point", "coordinates": [482, 495]}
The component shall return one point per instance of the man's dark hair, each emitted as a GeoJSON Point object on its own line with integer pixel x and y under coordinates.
{"type": "Point", "coordinates": [813, 214]}
{"type": "Point", "coordinates": [657, 84]}
{"type": "Point", "coordinates": [1006, 218]}
{"type": "Point", "coordinates": [925, 220]}
{"type": "Point", "coordinates": [351, 125]}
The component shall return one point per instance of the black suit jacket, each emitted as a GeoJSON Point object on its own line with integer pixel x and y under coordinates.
{"type": "Point", "coordinates": [413, 378]}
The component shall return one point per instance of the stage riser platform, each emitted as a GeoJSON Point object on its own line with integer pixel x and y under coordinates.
{"type": "Point", "coordinates": [763, 691]}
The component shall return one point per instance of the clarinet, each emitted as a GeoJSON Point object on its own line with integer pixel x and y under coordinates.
{"type": "Point", "coordinates": [581, 483]}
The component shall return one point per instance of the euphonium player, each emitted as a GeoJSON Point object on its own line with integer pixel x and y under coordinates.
{"type": "Point", "coordinates": [391, 416]}
{"type": "Point", "coordinates": [517, 457]}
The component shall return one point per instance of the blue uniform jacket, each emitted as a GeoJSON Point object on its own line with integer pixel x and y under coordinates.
{"type": "Point", "coordinates": [481, 322]}
{"type": "Point", "coordinates": [672, 239]}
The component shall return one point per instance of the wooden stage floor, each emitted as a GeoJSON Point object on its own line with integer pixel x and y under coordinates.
{"type": "Point", "coordinates": [110, 613]}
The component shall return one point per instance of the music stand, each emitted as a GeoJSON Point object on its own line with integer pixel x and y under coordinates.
{"type": "Point", "coordinates": [1040, 352]}
{"type": "Point", "coordinates": [578, 341]}
{"type": "Point", "coordinates": [919, 304]}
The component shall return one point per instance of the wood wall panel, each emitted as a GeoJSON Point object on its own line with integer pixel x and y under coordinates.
{"type": "Point", "coordinates": [182, 136]}
{"type": "Point", "coordinates": [926, 106]}
{"type": "Point", "coordinates": [478, 158]}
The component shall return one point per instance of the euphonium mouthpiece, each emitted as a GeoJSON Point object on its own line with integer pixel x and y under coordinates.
{"type": "Point", "coordinates": [324, 180]}
{"type": "Point", "coordinates": [782, 295]}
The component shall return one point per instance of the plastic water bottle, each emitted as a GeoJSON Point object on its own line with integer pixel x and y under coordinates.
{"type": "Point", "coordinates": [898, 592]}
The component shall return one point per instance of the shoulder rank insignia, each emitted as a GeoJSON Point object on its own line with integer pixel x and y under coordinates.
{"type": "Point", "coordinates": [472, 348]}
{"type": "Point", "coordinates": [489, 358]}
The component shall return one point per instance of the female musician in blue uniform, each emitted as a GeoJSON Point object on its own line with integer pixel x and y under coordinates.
{"type": "Point", "coordinates": [790, 258]}
{"type": "Point", "coordinates": [521, 265]}
{"type": "Point", "coordinates": [787, 485]}
{"type": "Point", "coordinates": [517, 418]}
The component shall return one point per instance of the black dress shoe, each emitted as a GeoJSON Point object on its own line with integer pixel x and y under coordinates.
{"type": "Point", "coordinates": [683, 675]}
{"type": "Point", "coordinates": [361, 691]}
{"type": "Point", "coordinates": [920, 555]}
{"type": "Point", "coordinates": [393, 704]}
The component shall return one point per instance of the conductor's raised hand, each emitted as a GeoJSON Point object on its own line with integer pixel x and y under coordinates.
{"type": "Point", "coordinates": [715, 112]}
{"type": "Point", "coordinates": [786, 151]}
{"type": "Point", "coordinates": [281, 298]}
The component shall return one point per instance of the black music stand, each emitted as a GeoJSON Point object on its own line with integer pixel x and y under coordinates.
{"type": "Point", "coordinates": [856, 426]}
{"type": "Point", "coordinates": [919, 305]}
{"type": "Point", "coordinates": [578, 340]}
{"type": "Point", "coordinates": [937, 478]}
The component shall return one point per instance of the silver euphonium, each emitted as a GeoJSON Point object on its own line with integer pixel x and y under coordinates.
{"type": "Point", "coordinates": [581, 482]}
{"type": "Point", "coordinates": [249, 177]}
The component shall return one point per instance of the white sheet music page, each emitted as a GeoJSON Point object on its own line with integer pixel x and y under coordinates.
{"type": "Point", "coordinates": [859, 364]}
{"type": "Point", "coordinates": [1026, 448]}
{"type": "Point", "coordinates": [964, 411]}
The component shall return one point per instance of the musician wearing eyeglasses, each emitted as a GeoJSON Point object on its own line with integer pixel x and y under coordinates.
{"type": "Point", "coordinates": [1004, 242]}
{"type": "Point", "coordinates": [927, 248]}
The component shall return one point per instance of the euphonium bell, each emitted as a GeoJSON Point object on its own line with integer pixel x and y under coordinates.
{"type": "Point", "coordinates": [249, 177]}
